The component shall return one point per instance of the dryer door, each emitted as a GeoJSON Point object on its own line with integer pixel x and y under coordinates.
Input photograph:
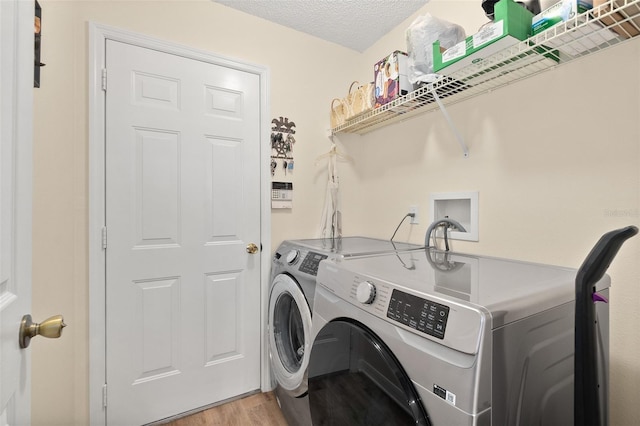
{"type": "Point", "coordinates": [289, 334]}
{"type": "Point", "coordinates": [373, 389]}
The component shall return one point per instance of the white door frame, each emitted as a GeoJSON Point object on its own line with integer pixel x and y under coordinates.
{"type": "Point", "coordinates": [98, 35]}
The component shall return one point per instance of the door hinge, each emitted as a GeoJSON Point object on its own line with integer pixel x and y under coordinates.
{"type": "Point", "coordinates": [104, 79]}
{"type": "Point", "coordinates": [104, 395]}
{"type": "Point", "coordinates": [104, 238]}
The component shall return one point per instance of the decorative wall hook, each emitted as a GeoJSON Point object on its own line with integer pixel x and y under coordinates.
{"type": "Point", "coordinates": [283, 125]}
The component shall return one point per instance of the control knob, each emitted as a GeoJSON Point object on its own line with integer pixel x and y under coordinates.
{"type": "Point", "coordinates": [366, 292]}
{"type": "Point", "coordinates": [292, 256]}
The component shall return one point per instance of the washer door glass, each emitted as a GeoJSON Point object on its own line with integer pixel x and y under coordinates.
{"type": "Point", "coordinates": [289, 334]}
{"type": "Point", "coordinates": [371, 389]}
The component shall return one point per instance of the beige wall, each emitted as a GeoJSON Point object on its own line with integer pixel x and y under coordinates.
{"type": "Point", "coordinates": [551, 157]}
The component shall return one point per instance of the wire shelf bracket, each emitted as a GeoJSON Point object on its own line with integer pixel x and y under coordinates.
{"type": "Point", "coordinates": [453, 127]}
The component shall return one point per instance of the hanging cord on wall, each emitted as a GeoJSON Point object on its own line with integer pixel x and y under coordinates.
{"type": "Point", "coordinates": [405, 216]}
{"type": "Point", "coordinates": [412, 266]}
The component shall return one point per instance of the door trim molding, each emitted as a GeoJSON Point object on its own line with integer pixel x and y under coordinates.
{"type": "Point", "coordinates": [98, 35]}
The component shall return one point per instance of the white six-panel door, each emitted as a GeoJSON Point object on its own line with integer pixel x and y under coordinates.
{"type": "Point", "coordinates": [182, 204]}
{"type": "Point", "coordinates": [16, 100]}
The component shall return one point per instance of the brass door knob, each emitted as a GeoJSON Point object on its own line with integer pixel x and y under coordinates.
{"type": "Point", "coordinates": [252, 248]}
{"type": "Point", "coordinates": [50, 328]}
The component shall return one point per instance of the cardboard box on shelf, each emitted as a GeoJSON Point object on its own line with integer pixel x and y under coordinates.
{"type": "Point", "coordinates": [583, 38]}
{"type": "Point", "coordinates": [560, 12]}
{"type": "Point", "coordinates": [512, 24]}
{"type": "Point", "coordinates": [390, 77]}
{"type": "Point", "coordinates": [624, 22]}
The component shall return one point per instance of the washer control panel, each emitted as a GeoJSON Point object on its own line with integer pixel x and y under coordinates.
{"type": "Point", "coordinates": [311, 262]}
{"type": "Point", "coordinates": [418, 313]}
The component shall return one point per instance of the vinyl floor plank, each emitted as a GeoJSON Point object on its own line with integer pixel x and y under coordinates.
{"type": "Point", "coordinates": [258, 409]}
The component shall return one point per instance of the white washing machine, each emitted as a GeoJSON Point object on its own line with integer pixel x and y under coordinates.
{"type": "Point", "coordinates": [446, 339]}
{"type": "Point", "coordinates": [293, 280]}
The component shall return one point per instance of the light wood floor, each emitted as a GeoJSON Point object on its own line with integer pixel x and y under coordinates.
{"type": "Point", "coordinates": [259, 409]}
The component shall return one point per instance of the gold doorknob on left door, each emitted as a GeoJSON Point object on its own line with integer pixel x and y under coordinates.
{"type": "Point", "coordinates": [50, 328]}
{"type": "Point", "coordinates": [252, 248]}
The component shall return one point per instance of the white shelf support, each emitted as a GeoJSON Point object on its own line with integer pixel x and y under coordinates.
{"type": "Point", "coordinates": [457, 134]}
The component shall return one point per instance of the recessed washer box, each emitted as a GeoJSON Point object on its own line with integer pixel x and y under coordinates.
{"type": "Point", "coordinates": [459, 206]}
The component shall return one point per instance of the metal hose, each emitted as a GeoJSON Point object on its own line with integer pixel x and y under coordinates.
{"type": "Point", "coordinates": [450, 223]}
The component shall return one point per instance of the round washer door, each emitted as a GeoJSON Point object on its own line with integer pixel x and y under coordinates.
{"type": "Point", "coordinates": [289, 334]}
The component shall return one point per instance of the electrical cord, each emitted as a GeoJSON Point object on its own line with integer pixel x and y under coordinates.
{"type": "Point", "coordinates": [413, 266]}
{"type": "Point", "coordinates": [400, 224]}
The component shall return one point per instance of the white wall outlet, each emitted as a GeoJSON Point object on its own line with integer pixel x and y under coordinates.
{"type": "Point", "coordinates": [414, 209]}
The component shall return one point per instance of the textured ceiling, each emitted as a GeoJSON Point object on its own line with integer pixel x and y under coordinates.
{"type": "Point", "coordinates": [355, 24]}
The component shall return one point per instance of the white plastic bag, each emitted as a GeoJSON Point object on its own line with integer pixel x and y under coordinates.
{"type": "Point", "coordinates": [421, 34]}
{"type": "Point", "coordinates": [331, 222]}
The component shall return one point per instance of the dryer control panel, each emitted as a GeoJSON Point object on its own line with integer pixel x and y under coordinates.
{"type": "Point", "coordinates": [418, 313]}
{"type": "Point", "coordinates": [450, 322]}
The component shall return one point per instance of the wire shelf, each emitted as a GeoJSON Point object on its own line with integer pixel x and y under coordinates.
{"type": "Point", "coordinates": [609, 24]}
